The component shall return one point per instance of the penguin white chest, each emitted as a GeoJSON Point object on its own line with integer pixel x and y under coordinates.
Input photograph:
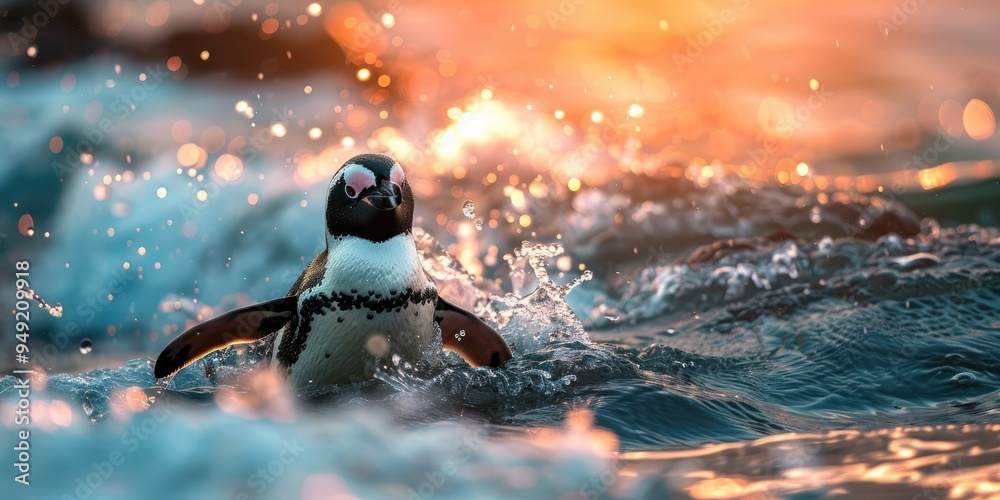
{"type": "Point", "coordinates": [374, 301]}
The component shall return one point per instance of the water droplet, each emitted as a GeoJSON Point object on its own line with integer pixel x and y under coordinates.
{"type": "Point", "coordinates": [55, 310]}
{"type": "Point", "coordinates": [814, 215]}
{"type": "Point", "coordinates": [85, 346]}
{"type": "Point", "coordinates": [469, 209]}
{"type": "Point", "coordinates": [964, 378]}
{"type": "Point", "coordinates": [479, 224]}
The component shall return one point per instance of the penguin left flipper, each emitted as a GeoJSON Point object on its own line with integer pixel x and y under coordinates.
{"type": "Point", "coordinates": [240, 326]}
{"type": "Point", "coordinates": [470, 337]}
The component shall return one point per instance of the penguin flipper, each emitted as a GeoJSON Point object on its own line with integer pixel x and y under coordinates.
{"type": "Point", "coordinates": [239, 326]}
{"type": "Point", "coordinates": [470, 337]}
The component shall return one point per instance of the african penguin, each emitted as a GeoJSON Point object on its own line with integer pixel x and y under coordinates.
{"type": "Point", "coordinates": [360, 302]}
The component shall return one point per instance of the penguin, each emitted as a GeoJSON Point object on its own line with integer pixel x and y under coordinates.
{"type": "Point", "coordinates": [360, 302]}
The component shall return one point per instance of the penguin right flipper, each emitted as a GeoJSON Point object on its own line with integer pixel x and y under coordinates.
{"type": "Point", "coordinates": [470, 337]}
{"type": "Point", "coordinates": [240, 326]}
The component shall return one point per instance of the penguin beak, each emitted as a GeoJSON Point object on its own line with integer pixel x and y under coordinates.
{"type": "Point", "coordinates": [386, 196]}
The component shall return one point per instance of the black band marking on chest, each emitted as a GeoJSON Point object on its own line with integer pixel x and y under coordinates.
{"type": "Point", "coordinates": [293, 342]}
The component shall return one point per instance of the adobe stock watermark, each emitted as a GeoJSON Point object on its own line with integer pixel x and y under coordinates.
{"type": "Point", "coordinates": [562, 12]}
{"type": "Point", "coordinates": [265, 476]}
{"type": "Point", "coordinates": [926, 158]}
{"type": "Point", "coordinates": [31, 25]}
{"type": "Point", "coordinates": [365, 33]}
{"type": "Point", "coordinates": [437, 478]}
{"type": "Point", "coordinates": [714, 29]}
{"type": "Point", "coordinates": [598, 485]}
{"type": "Point", "coordinates": [901, 14]}
{"type": "Point", "coordinates": [292, 273]}
{"type": "Point", "coordinates": [584, 156]}
{"type": "Point", "coordinates": [930, 155]}
{"type": "Point", "coordinates": [247, 328]}
{"type": "Point", "coordinates": [88, 311]}
{"type": "Point", "coordinates": [123, 105]}
{"type": "Point", "coordinates": [225, 7]}
{"type": "Point", "coordinates": [941, 490]}
{"type": "Point", "coordinates": [247, 152]}
{"type": "Point", "coordinates": [658, 257]}
{"type": "Point", "coordinates": [787, 125]}
{"type": "Point", "coordinates": [130, 440]}
{"type": "Point", "coordinates": [580, 160]}
{"type": "Point", "coordinates": [417, 155]}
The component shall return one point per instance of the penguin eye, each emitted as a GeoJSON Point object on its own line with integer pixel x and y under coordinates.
{"type": "Point", "coordinates": [357, 179]}
{"type": "Point", "coordinates": [396, 175]}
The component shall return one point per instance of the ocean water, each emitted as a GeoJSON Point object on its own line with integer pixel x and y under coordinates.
{"type": "Point", "coordinates": [680, 328]}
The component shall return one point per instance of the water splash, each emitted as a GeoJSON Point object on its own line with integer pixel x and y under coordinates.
{"type": "Point", "coordinates": [469, 209]}
{"type": "Point", "coordinates": [56, 310]}
{"type": "Point", "coordinates": [401, 376]}
{"type": "Point", "coordinates": [452, 280]}
{"type": "Point", "coordinates": [551, 348]}
{"type": "Point", "coordinates": [532, 321]}
{"type": "Point", "coordinates": [534, 255]}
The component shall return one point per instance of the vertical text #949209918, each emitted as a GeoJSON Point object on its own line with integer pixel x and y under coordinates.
{"type": "Point", "coordinates": [22, 417]}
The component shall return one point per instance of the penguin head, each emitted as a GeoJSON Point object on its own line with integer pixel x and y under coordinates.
{"type": "Point", "coordinates": [369, 198]}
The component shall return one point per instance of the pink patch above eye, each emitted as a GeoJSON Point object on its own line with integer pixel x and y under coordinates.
{"type": "Point", "coordinates": [357, 179]}
{"type": "Point", "coordinates": [396, 175]}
